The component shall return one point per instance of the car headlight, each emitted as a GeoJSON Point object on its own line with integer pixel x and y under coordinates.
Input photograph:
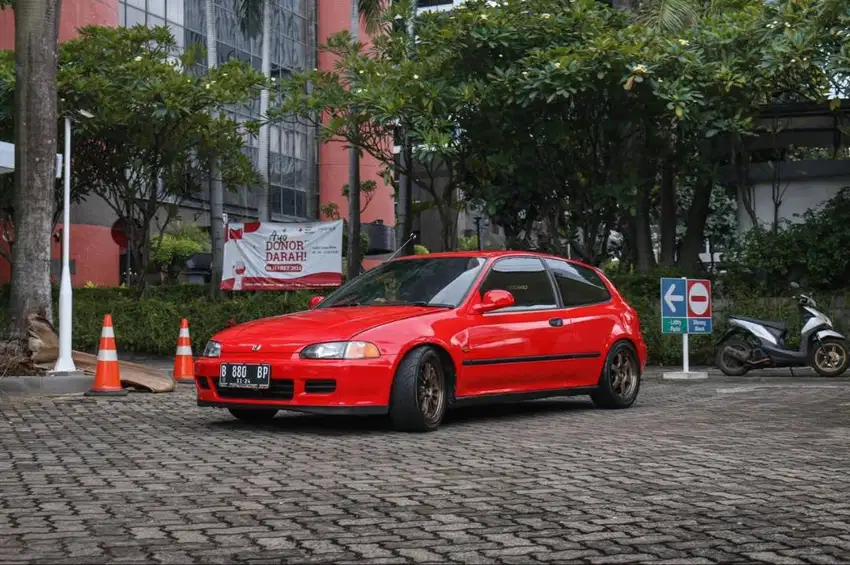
{"type": "Point", "coordinates": [341, 350]}
{"type": "Point", "coordinates": [213, 349]}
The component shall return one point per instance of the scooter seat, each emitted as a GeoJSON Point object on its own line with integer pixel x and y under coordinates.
{"type": "Point", "coordinates": [781, 326]}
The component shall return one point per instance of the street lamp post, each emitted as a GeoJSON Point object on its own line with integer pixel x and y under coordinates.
{"type": "Point", "coordinates": [65, 362]}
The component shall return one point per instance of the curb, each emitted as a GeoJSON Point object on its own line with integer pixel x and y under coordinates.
{"type": "Point", "coordinates": [45, 386]}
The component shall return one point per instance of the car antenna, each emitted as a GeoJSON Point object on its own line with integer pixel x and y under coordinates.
{"type": "Point", "coordinates": [403, 245]}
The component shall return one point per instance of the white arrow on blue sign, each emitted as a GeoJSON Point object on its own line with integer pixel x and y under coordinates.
{"type": "Point", "coordinates": [673, 298]}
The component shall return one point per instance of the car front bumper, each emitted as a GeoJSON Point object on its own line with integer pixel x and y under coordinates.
{"type": "Point", "coordinates": [302, 385]}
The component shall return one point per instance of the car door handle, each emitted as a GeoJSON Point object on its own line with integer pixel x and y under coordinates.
{"type": "Point", "coordinates": [556, 322]}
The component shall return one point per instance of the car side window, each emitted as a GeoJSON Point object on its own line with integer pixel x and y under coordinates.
{"type": "Point", "coordinates": [578, 285]}
{"type": "Point", "coordinates": [526, 279]}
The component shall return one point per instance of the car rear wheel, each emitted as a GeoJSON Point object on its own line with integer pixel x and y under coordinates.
{"type": "Point", "coordinates": [620, 381]}
{"type": "Point", "coordinates": [253, 415]}
{"type": "Point", "coordinates": [418, 399]}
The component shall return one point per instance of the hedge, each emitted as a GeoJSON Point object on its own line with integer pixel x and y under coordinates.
{"type": "Point", "coordinates": [149, 324]}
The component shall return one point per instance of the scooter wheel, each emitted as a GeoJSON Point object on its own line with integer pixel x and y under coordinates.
{"type": "Point", "coordinates": [829, 357]}
{"type": "Point", "coordinates": [729, 365]}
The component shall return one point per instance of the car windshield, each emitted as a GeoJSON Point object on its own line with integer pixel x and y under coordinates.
{"type": "Point", "coordinates": [436, 281]}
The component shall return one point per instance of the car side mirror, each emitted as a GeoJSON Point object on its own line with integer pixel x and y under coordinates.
{"type": "Point", "coordinates": [315, 301]}
{"type": "Point", "coordinates": [494, 300]}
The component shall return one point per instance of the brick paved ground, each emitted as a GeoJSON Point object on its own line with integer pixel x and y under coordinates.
{"type": "Point", "coordinates": [717, 471]}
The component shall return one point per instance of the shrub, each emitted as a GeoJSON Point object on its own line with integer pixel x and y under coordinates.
{"type": "Point", "coordinates": [149, 324]}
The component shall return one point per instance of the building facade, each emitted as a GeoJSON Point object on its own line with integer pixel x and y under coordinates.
{"type": "Point", "coordinates": [303, 174]}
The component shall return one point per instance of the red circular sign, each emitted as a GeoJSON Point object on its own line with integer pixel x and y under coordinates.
{"type": "Point", "coordinates": [119, 236]}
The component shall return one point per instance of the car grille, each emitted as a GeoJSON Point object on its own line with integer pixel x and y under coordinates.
{"type": "Point", "coordinates": [320, 386]}
{"type": "Point", "coordinates": [279, 389]}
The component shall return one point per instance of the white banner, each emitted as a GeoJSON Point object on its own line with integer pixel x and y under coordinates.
{"type": "Point", "coordinates": [269, 256]}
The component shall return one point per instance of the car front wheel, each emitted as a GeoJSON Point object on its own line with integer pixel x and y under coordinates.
{"type": "Point", "coordinates": [253, 416]}
{"type": "Point", "coordinates": [419, 393]}
{"type": "Point", "coordinates": [620, 381]}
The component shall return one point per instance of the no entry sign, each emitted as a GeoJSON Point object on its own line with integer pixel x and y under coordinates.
{"type": "Point", "coordinates": [685, 306]}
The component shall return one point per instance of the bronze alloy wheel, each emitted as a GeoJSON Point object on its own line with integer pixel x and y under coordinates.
{"type": "Point", "coordinates": [619, 382]}
{"type": "Point", "coordinates": [830, 358]}
{"type": "Point", "coordinates": [429, 391]}
{"type": "Point", "coordinates": [623, 374]}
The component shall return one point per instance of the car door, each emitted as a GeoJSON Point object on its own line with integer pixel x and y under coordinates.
{"type": "Point", "coordinates": [509, 350]}
{"type": "Point", "coordinates": [589, 319]}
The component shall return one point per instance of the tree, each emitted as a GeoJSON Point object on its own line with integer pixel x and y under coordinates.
{"type": "Point", "coordinates": [153, 131]}
{"type": "Point", "coordinates": [590, 109]}
{"type": "Point", "coordinates": [369, 11]}
{"type": "Point", "coordinates": [36, 38]}
{"type": "Point", "coordinates": [373, 93]}
{"type": "Point", "coordinates": [216, 188]}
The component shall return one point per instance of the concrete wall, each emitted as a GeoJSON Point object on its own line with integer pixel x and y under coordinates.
{"type": "Point", "coordinates": [806, 185]}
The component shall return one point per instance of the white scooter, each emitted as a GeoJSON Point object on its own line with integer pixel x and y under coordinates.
{"type": "Point", "coordinates": [751, 343]}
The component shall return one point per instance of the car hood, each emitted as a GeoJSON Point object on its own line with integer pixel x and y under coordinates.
{"type": "Point", "coordinates": [291, 332]}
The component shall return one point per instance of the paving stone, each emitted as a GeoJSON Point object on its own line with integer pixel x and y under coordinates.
{"type": "Point", "coordinates": [725, 470]}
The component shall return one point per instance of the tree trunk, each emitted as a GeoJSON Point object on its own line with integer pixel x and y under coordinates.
{"type": "Point", "coordinates": [36, 119]}
{"type": "Point", "coordinates": [216, 186]}
{"type": "Point", "coordinates": [404, 215]}
{"type": "Point", "coordinates": [448, 221]}
{"type": "Point", "coordinates": [668, 214]}
{"type": "Point", "coordinates": [643, 234]}
{"type": "Point", "coordinates": [354, 175]}
{"type": "Point", "coordinates": [353, 214]}
{"type": "Point", "coordinates": [263, 159]}
{"type": "Point", "coordinates": [694, 241]}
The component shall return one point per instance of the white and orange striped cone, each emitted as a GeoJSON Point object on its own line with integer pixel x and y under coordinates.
{"type": "Point", "coordinates": [184, 365]}
{"type": "Point", "coordinates": [107, 376]}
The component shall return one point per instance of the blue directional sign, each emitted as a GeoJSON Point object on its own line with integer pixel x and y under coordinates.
{"type": "Point", "coordinates": [685, 306]}
{"type": "Point", "coordinates": [674, 312]}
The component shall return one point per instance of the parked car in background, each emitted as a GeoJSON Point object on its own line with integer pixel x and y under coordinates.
{"type": "Point", "coordinates": [421, 334]}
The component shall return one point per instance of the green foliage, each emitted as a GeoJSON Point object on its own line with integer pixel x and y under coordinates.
{"type": "Point", "coordinates": [812, 252]}
{"type": "Point", "coordinates": [152, 135]}
{"type": "Point", "coordinates": [170, 251]}
{"type": "Point", "coordinates": [149, 323]}
{"type": "Point", "coordinates": [420, 250]}
{"type": "Point", "coordinates": [467, 243]}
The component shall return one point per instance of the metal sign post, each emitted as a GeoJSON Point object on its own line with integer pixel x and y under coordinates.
{"type": "Point", "coordinates": [685, 310]}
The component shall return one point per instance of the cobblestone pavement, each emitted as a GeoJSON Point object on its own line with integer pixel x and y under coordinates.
{"type": "Point", "coordinates": [747, 470]}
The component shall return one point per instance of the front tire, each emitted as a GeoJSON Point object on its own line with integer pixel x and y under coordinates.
{"type": "Point", "coordinates": [253, 416]}
{"type": "Point", "coordinates": [829, 357]}
{"type": "Point", "coordinates": [729, 365]}
{"type": "Point", "coordinates": [419, 393]}
{"type": "Point", "coordinates": [620, 381]}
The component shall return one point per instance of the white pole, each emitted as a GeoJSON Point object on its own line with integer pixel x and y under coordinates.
{"type": "Point", "coordinates": [686, 362]}
{"type": "Point", "coordinates": [65, 362]}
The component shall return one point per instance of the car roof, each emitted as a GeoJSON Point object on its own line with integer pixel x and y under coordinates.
{"type": "Point", "coordinates": [490, 254]}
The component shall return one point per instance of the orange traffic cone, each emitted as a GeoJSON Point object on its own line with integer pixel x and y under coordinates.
{"type": "Point", "coordinates": [184, 366]}
{"type": "Point", "coordinates": [107, 378]}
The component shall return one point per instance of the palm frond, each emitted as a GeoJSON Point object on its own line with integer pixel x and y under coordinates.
{"type": "Point", "coordinates": [370, 13]}
{"type": "Point", "coordinates": [250, 16]}
{"type": "Point", "coordinates": [669, 15]}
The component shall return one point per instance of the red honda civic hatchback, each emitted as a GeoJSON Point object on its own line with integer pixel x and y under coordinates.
{"type": "Point", "coordinates": [418, 335]}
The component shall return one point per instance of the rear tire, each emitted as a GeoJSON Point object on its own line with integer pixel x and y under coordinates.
{"type": "Point", "coordinates": [620, 381]}
{"type": "Point", "coordinates": [829, 357]}
{"type": "Point", "coordinates": [253, 415]}
{"type": "Point", "coordinates": [729, 365]}
{"type": "Point", "coordinates": [419, 395]}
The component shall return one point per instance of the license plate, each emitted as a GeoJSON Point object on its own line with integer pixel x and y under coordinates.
{"type": "Point", "coordinates": [243, 375]}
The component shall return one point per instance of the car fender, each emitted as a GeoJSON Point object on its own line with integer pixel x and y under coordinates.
{"type": "Point", "coordinates": [621, 331]}
{"type": "Point", "coordinates": [429, 340]}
